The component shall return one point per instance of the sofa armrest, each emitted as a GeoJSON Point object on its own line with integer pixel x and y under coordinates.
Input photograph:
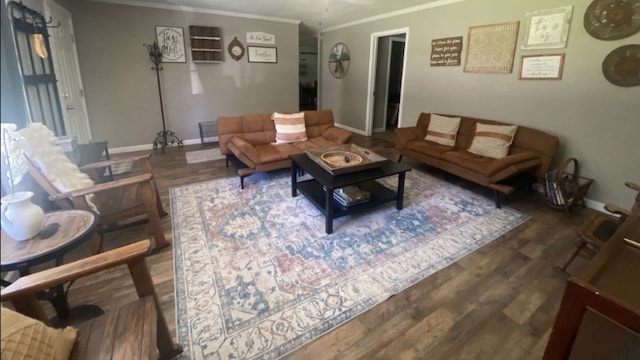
{"type": "Point", "coordinates": [512, 165]}
{"type": "Point", "coordinates": [337, 135]}
{"type": "Point", "coordinates": [403, 135]}
{"type": "Point", "coordinates": [246, 148]}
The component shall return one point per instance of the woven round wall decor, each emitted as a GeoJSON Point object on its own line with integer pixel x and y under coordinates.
{"type": "Point", "coordinates": [612, 19]}
{"type": "Point", "coordinates": [622, 66]}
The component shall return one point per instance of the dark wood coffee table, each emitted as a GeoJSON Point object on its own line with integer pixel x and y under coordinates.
{"type": "Point", "coordinates": [312, 189]}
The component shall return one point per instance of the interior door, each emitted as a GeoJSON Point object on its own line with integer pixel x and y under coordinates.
{"type": "Point", "coordinates": [381, 84]}
{"type": "Point", "coordinates": [67, 69]}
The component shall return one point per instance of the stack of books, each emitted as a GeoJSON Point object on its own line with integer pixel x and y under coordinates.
{"type": "Point", "coordinates": [351, 195]}
{"type": "Point", "coordinates": [555, 191]}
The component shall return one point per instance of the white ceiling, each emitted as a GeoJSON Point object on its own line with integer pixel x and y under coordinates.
{"type": "Point", "coordinates": [312, 14]}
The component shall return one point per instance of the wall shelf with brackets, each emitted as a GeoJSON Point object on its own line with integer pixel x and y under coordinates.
{"type": "Point", "coordinates": [206, 44]}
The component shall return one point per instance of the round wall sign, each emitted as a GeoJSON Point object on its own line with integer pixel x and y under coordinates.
{"type": "Point", "coordinates": [236, 50]}
{"type": "Point", "coordinates": [622, 66]}
{"type": "Point", "coordinates": [612, 19]}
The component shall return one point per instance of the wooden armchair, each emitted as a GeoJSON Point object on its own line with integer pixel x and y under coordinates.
{"type": "Point", "coordinates": [600, 227]}
{"type": "Point", "coordinates": [120, 202]}
{"type": "Point", "coordinates": [135, 331]}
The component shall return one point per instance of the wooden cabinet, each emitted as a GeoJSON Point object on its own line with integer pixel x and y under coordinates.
{"type": "Point", "coordinates": [599, 317]}
{"type": "Point", "coordinates": [206, 44]}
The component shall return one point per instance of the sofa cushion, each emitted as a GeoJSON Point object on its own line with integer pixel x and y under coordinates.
{"type": "Point", "coordinates": [424, 147]}
{"type": "Point", "coordinates": [492, 140]}
{"type": "Point", "coordinates": [313, 142]}
{"type": "Point", "coordinates": [443, 130]}
{"type": "Point", "coordinates": [489, 167]}
{"type": "Point", "coordinates": [27, 338]}
{"type": "Point", "coordinates": [464, 159]}
{"type": "Point", "coordinates": [289, 127]}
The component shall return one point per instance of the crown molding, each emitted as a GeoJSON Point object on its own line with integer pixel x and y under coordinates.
{"type": "Point", "coordinates": [409, 10]}
{"type": "Point", "coordinates": [197, 10]}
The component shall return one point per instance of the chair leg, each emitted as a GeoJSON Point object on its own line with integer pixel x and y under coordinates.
{"type": "Point", "coordinates": [167, 348]}
{"type": "Point", "coordinates": [399, 158]}
{"type": "Point", "coordinates": [155, 226]}
{"type": "Point", "coordinates": [161, 211]}
{"type": "Point", "coordinates": [579, 247]}
{"type": "Point", "coordinates": [497, 197]}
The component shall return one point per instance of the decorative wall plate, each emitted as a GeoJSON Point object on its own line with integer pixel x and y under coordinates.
{"type": "Point", "coordinates": [612, 19]}
{"type": "Point", "coordinates": [622, 66]}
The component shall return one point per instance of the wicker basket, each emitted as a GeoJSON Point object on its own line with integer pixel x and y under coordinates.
{"type": "Point", "coordinates": [564, 187]}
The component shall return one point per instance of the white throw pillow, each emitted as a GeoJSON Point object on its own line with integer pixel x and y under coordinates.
{"type": "Point", "coordinates": [443, 130]}
{"type": "Point", "coordinates": [492, 140]}
{"type": "Point", "coordinates": [289, 127]}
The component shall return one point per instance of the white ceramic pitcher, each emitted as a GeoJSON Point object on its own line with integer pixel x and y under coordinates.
{"type": "Point", "coordinates": [21, 219]}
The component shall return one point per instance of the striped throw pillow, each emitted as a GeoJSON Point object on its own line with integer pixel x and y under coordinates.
{"type": "Point", "coordinates": [443, 130]}
{"type": "Point", "coordinates": [289, 127]}
{"type": "Point", "coordinates": [492, 140]}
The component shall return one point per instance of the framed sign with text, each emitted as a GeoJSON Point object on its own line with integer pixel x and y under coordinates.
{"type": "Point", "coordinates": [547, 29]}
{"type": "Point", "coordinates": [260, 54]}
{"type": "Point", "coordinates": [446, 51]}
{"type": "Point", "coordinates": [541, 67]}
{"type": "Point", "coordinates": [171, 43]}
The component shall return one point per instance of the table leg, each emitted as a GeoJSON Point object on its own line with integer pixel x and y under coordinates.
{"type": "Point", "coordinates": [58, 299]}
{"type": "Point", "coordinates": [328, 210]}
{"type": "Point", "coordinates": [400, 195]}
{"type": "Point", "coordinates": [55, 296]}
{"type": "Point", "coordinates": [294, 179]}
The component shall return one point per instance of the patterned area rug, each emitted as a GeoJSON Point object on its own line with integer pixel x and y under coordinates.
{"type": "Point", "coordinates": [256, 276]}
{"type": "Point", "coordinates": [199, 156]}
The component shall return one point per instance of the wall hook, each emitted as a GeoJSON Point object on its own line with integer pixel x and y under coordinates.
{"type": "Point", "coordinates": [50, 21]}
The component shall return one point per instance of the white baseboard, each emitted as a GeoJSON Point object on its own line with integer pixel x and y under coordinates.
{"type": "Point", "coordinates": [357, 131]}
{"type": "Point", "coordinates": [126, 149]}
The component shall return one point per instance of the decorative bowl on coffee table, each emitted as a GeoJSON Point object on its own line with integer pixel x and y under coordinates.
{"type": "Point", "coordinates": [344, 159]}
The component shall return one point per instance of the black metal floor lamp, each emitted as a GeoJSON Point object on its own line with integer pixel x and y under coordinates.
{"type": "Point", "coordinates": [165, 137]}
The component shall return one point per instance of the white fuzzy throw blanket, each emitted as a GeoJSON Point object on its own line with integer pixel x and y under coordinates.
{"type": "Point", "coordinates": [53, 163]}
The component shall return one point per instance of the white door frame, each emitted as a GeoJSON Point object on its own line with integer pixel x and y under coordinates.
{"type": "Point", "coordinates": [80, 103]}
{"type": "Point", "coordinates": [372, 75]}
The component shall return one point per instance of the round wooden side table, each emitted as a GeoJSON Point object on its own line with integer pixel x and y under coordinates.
{"type": "Point", "coordinates": [62, 231]}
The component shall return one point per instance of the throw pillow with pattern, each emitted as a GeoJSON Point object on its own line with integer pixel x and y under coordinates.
{"type": "Point", "coordinates": [492, 140]}
{"type": "Point", "coordinates": [443, 130]}
{"type": "Point", "coordinates": [289, 127]}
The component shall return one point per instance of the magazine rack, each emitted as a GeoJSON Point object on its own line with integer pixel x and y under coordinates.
{"type": "Point", "coordinates": [564, 187]}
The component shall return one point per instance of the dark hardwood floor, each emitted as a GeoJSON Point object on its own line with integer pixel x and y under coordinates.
{"type": "Point", "coordinates": [497, 303]}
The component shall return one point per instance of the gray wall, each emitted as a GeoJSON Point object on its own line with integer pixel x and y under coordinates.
{"type": "Point", "coordinates": [597, 122]}
{"type": "Point", "coordinates": [121, 89]}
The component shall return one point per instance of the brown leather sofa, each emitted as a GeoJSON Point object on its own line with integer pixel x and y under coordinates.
{"type": "Point", "coordinates": [248, 141]}
{"type": "Point", "coordinates": [530, 154]}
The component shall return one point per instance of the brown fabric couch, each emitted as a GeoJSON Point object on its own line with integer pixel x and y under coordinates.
{"type": "Point", "coordinates": [248, 140]}
{"type": "Point", "coordinates": [530, 154]}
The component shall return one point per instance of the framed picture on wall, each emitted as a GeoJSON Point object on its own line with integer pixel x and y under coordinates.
{"type": "Point", "coordinates": [491, 48]}
{"type": "Point", "coordinates": [541, 67]}
{"type": "Point", "coordinates": [546, 29]}
{"type": "Point", "coordinates": [260, 54]}
{"type": "Point", "coordinates": [171, 42]}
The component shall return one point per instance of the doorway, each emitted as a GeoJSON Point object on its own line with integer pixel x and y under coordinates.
{"type": "Point", "coordinates": [386, 79]}
{"type": "Point", "coordinates": [67, 69]}
{"type": "Point", "coordinates": [308, 74]}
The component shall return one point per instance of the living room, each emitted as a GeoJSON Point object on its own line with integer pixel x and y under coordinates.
{"type": "Point", "coordinates": [596, 121]}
